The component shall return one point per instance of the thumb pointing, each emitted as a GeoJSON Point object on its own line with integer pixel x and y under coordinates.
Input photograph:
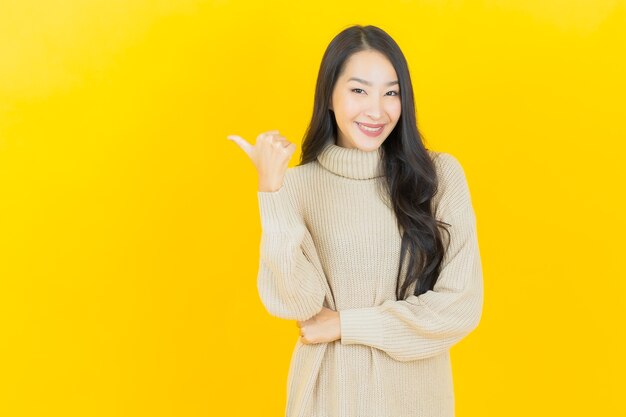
{"type": "Point", "coordinates": [243, 144]}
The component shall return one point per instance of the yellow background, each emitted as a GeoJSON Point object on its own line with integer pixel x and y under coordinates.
{"type": "Point", "coordinates": [129, 226]}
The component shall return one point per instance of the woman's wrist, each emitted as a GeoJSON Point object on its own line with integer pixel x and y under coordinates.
{"type": "Point", "coordinates": [269, 186]}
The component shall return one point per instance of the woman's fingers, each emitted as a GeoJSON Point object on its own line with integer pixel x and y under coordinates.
{"type": "Point", "coordinates": [268, 133]}
{"type": "Point", "coordinates": [248, 147]}
{"type": "Point", "coordinates": [270, 155]}
{"type": "Point", "coordinates": [243, 144]}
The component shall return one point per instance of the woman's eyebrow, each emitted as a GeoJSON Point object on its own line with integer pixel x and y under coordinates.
{"type": "Point", "coordinates": [369, 83]}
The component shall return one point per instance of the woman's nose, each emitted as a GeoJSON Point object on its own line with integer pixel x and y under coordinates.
{"type": "Point", "coordinates": [374, 109]}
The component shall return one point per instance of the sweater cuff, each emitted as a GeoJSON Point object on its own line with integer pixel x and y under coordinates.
{"type": "Point", "coordinates": [278, 214]}
{"type": "Point", "coordinates": [361, 326]}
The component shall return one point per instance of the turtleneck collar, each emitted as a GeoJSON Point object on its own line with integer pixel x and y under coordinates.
{"type": "Point", "coordinates": [351, 162]}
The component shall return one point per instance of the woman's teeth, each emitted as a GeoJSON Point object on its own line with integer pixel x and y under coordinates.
{"type": "Point", "coordinates": [370, 129]}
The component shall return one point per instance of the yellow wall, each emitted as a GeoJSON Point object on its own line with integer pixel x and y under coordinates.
{"type": "Point", "coordinates": [129, 225]}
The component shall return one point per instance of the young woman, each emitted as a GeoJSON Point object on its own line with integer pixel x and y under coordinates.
{"type": "Point", "coordinates": [370, 243]}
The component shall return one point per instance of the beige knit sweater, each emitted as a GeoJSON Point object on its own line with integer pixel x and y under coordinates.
{"type": "Point", "coordinates": [329, 238]}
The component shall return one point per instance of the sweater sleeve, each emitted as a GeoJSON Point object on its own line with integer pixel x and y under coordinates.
{"type": "Point", "coordinates": [429, 324]}
{"type": "Point", "coordinates": [290, 285]}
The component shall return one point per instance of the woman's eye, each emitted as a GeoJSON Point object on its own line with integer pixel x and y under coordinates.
{"type": "Point", "coordinates": [395, 93]}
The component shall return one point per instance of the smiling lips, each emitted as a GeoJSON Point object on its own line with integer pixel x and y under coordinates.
{"type": "Point", "coordinates": [370, 129]}
{"type": "Point", "coordinates": [371, 125]}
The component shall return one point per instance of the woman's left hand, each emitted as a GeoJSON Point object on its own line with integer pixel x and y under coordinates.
{"type": "Point", "coordinates": [322, 327]}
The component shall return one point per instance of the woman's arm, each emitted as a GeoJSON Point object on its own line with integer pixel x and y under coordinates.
{"type": "Point", "coordinates": [290, 285]}
{"type": "Point", "coordinates": [429, 324]}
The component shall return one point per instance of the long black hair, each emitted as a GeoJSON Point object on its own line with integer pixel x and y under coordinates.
{"type": "Point", "coordinates": [410, 174]}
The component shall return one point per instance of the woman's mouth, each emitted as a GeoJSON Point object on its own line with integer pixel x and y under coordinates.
{"type": "Point", "coordinates": [370, 131]}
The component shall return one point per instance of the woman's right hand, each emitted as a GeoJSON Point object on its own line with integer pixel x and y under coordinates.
{"type": "Point", "coordinates": [270, 155]}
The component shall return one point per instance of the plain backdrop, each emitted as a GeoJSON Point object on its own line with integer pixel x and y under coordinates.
{"type": "Point", "coordinates": [129, 224]}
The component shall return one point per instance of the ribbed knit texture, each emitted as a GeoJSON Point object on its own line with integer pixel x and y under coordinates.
{"type": "Point", "coordinates": [330, 239]}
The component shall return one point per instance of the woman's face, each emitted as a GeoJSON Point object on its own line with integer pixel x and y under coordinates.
{"type": "Point", "coordinates": [367, 93]}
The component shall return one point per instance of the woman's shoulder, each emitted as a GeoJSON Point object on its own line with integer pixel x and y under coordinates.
{"type": "Point", "coordinates": [448, 167]}
{"type": "Point", "coordinates": [452, 188]}
{"type": "Point", "coordinates": [297, 181]}
{"type": "Point", "coordinates": [297, 186]}
{"type": "Point", "coordinates": [298, 175]}
{"type": "Point", "coordinates": [445, 162]}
